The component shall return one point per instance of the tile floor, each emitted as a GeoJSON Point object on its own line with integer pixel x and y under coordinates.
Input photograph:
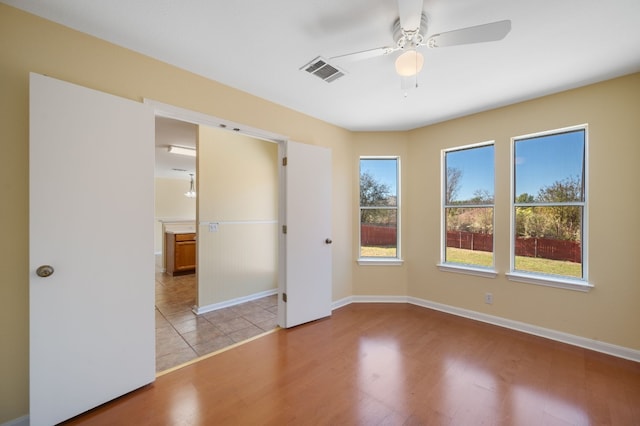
{"type": "Point", "coordinates": [182, 336]}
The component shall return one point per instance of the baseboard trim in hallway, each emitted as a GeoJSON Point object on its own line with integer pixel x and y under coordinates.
{"type": "Point", "coordinates": [199, 310]}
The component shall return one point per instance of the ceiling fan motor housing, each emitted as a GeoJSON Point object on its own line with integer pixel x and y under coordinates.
{"type": "Point", "coordinates": [409, 37]}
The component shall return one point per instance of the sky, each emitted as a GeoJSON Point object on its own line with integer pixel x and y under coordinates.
{"type": "Point", "coordinates": [383, 169]}
{"type": "Point", "coordinates": [539, 161]}
{"type": "Point", "coordinates": [477, 169]}
{"type": "Point", "coordinates": [548, 159]}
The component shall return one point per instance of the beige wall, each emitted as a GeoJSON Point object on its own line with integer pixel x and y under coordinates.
{"type": "Point", "coordinates": [377, 279]}
{"type": "Point", "coordinates": [238, 189]}
{"type": "Point", "coordinates": [609, 313]}
{"type": "Point", "coordinates": [31, 44]}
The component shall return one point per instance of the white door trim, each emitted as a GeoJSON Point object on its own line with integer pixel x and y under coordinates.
{"type": "Point", "coordinates": [177, 113]}
{"type": "Point", "coordinates": [169, 111]}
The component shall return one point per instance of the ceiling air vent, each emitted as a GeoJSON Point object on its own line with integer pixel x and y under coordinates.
{"type": "Point", "coordinates": [321, 69]}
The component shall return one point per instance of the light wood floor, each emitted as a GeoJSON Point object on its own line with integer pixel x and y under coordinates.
{"type": "Point", "coordinates": [389, 364]}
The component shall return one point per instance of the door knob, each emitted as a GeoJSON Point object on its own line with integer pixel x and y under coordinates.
{"type": "Point", "coordinates": [328, 241]}
{"type": "Point", "coordinates": [44, 271]}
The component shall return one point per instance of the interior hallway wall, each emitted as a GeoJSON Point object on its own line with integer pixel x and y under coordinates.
{"type": "Point", "coordinates": [237, 190]}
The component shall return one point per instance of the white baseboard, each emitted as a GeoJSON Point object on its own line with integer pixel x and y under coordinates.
{"type": "Point", "coordinates": [198, 310]}
{"type": "Point", "coordinates": [20, 421]}
{"type": "Point", "coordinates": [594, 345]}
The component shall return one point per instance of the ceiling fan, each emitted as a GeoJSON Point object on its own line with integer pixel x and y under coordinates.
{"type": "Point", "coordinates": [409, 34]}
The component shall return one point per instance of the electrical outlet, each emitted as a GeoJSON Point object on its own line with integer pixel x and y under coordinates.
{"type": "Point", "coordinates": [488, 298]}
{"type": "Point", "coordinates": [213, 227]}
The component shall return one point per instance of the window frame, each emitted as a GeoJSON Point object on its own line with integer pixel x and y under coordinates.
{"type": "Point", "coordinates": [551, 280]}
{"type": "Point", "coordinates": [380, 260]}
{"type": "Point", "coordinates": [443, 265]}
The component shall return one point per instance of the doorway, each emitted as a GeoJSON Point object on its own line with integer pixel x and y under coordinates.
{"type": "Point", "coordinates": [233, 291]}
{"type": "Point", "coordinates": [304, 257]}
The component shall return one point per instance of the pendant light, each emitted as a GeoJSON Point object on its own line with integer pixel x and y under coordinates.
{"type": "Point", "coordinates": [192, 192]}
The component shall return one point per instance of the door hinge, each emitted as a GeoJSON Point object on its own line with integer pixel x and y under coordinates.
{"type": "Point", "coordinates": [284, 297]}
{"type": "Point", "coordinates": [284, 161]}
{"type": "Point", "coordinates": [284, 229]}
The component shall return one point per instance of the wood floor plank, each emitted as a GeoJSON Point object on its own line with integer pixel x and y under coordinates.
{"type": "Point", "coordinates": [388, 364]}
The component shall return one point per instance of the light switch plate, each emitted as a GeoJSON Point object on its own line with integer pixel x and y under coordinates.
{"type": "Point", "coordinates": [213, 227]}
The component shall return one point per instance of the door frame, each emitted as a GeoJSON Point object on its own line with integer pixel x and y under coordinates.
{"type": "Point", "coordinates": [161, 109]}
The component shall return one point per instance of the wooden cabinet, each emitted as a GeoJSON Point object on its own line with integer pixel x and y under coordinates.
{"type": "Point", "coordinates": [180, 255]}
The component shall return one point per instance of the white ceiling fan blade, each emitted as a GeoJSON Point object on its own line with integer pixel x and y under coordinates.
{"type": "Point", "coordinates": [410, 12]}
{"type": "Point", "coordinates": [364, 54]}
{"type": "Point", "coordinates": [481, 33]}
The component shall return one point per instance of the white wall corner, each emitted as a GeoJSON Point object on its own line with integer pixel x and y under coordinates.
{"type": "Point", "coordinates": [380, 299]}
{"type": "Point", "coordinates": [20, 421]}
{"type": "Point", "coordinates": [367, 299]}
{"type": "Point", "coordinates": [341, 302]}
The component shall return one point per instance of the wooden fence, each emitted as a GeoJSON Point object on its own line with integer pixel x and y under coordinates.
{"type": "Point", "coordinates": [378, 235]}
{"type": "Point", "coordinates": [470, 240]}
{"type": "Point", "coordinates": [545, 248]}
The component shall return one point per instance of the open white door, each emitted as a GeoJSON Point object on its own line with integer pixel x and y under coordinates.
{"type": "Point", "coordinates": [305, 270]}
{"type": "Point", "coordinates": [91, 219]}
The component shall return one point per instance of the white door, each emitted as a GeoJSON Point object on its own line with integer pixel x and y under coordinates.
{"type": "Point", "coordinates": [305, 270]}
{"type": "Point", "coordinates": [91, 218]}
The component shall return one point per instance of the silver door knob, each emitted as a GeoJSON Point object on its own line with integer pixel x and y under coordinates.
{"type": "Point", "coordinates": [328, 241]}
{"type": "Point", "coordinates": [44, 271]}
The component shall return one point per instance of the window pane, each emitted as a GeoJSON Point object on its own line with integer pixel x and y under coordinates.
{"type": "Point", "coordinates": [550, 168]}
{"type": "Point", "coordinates": [378, 182]}
{"type": "Point", "coordinates": [470, 235]}
{"type": "Point", "coordinates": [378, 232]}
{"type": "Point", "coordinates": [469, 178]}
{"type": "Point", "coordinates": [549, 240]}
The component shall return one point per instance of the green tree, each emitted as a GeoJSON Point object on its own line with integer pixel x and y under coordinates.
{"type": "Point", "coordinates": [563, 222]}
{"type": "Point", "coordinates": [374, 193]}
{"type": "Point", "coordinates": [528, 224]}
{"type": "Point", "coordinates": [525, 198]}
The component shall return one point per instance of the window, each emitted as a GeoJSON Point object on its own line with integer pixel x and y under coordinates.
{"type": "Point", "coordinates": [379, 207]}
{"type": "Point", "coordinates": [549, 204]}
{"type": "Point", "coordinates": [468, 202]}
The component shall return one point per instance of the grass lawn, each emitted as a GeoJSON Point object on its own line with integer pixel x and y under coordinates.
{"type": "Point", "coordinates": [528, 264]}
{"type": "Point", "coordinates": [470, 257]}
{"type": "Point", "coordinates": [373, 251]}
{"type": "Point", "coordinates": [485, 259]}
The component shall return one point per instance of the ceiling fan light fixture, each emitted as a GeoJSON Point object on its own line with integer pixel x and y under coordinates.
{"type": "Point", "coordinates": [409, 63]}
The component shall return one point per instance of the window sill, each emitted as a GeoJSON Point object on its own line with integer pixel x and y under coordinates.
{"type": "Point", "coordinates": [549, 281]}
{"type": "Point", "coordinates": [384, 261]}
{"type": "Point", "coordinates": [469, 270]}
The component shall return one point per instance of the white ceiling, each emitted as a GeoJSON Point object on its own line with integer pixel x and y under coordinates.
{"type": "Point", "coordinates": [259, 46]}
{"type": "Point", "coordinates": [174, 132]}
